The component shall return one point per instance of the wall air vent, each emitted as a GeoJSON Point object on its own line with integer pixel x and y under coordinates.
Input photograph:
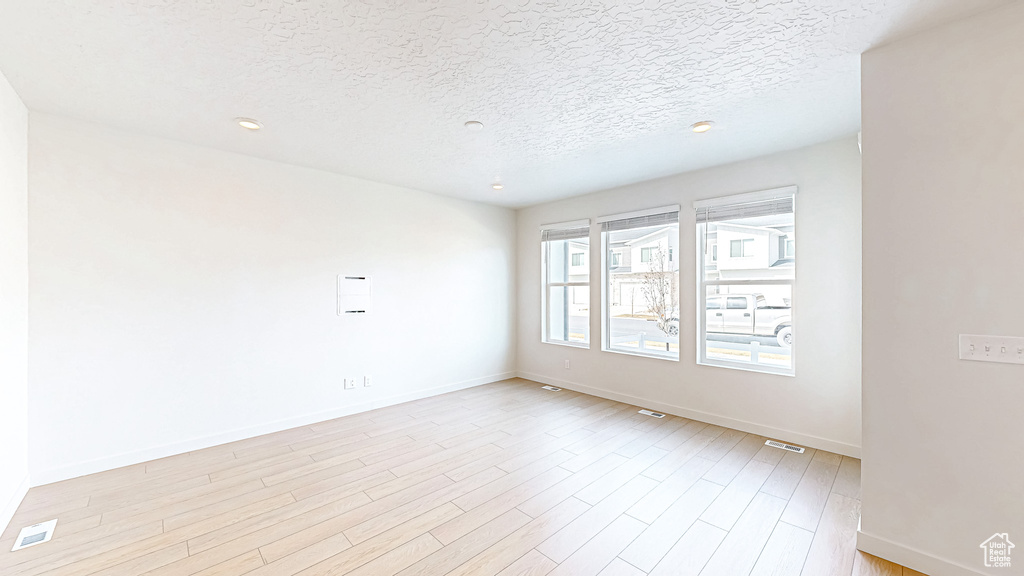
{"type": "Point", "coordinates": [649, 413]}
{"type": "Point", "coordinates": [35, 534]}
{"type": "Point", "coordinates": [552, 388]}
{"type": "Point", "coordinates": [789, 447]}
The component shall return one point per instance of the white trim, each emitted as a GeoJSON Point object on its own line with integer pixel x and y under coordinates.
{"type": "Point", "coordinates": [761, 282]}
{"type": "Point", "coordinates": [570, 344]}
{"type": "Point", "coordinates": [128, 458]}
{"type": "Point", "coordinates": [562, 225]}
{"type": "Point", "coordinates": [639, 213]}
{"type": "Point", "coordinates": [746, 197]}
{"type": "Point", "coordinates": [912, 557]}
{"type": "Point", "coordinates": [7, 513]}
{"type": "Point", "coordinates": [652, 354]}
{"type": "Point", "coordinates": [788, 436]}
{"type": "Point", "coordinates": [759, 368]}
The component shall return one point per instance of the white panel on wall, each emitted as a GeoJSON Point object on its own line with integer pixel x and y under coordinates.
{"type": "Point", "coordinates": [354, 294]}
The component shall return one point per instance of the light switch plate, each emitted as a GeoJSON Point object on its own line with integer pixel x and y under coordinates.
{"type": "Point", "coordinates": [1002, 349]}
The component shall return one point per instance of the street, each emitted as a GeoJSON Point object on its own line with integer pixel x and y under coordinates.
{"type": "Point", "coordinates": [649, 328]}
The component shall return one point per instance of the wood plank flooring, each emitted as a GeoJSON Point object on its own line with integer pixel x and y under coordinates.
{"type": "Point", "coordinates": [504, 479]}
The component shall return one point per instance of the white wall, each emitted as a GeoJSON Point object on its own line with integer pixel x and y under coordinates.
{"type": "Point", "coordinates": [13, 301]}
{"type": "Point", "coordinates": [182, 296]}
{"type": "Point", "coordinates": [821, 405]}
{"type": "Point", "coordinates": [943, 254]}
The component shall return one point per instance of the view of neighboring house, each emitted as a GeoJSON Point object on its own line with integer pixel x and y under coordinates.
{"type": "Point", "coordinates": [760, 248]}
{"type": "Point", "coordinates": [634, 253]}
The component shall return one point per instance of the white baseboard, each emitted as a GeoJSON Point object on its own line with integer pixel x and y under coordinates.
{"type": "Point", "coordinates": [48, 476]}
{"type": "Point", "coordinates": [788, 436]}
{"type": "Point", "coordinates": [12, 505]}
{"type": "Point", "coordinates": [912, 558]}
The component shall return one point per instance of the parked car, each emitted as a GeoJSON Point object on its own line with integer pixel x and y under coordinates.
{"type": "Point", "coordinates": [749, 314]}
{"type": "Point", "coordinates": [745, 314]}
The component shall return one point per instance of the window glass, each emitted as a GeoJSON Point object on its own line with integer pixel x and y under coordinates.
{"type": "Point", "coordinates": [642, 288]}
{"type": "Point", "coordinates": [754, 281]}
{"type": "Point", "coordinates": [566, 288]}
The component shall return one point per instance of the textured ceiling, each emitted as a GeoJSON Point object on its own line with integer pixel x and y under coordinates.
{"type": "Point", "coordinates": [575, 95]}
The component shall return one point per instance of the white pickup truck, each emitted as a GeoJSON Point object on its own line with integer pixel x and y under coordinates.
{"type": "Point", "coordinates": [749, 314]}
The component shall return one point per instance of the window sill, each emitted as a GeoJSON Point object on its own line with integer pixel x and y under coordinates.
{"type": "Point", "coordinates": [641, 354]}
{"type": "Point", "coordinates": [790, 372]}
{"type": "Point", "coordinates": [583, 345]}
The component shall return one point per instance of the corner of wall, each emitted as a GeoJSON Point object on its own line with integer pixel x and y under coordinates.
{"type": "Point", "coordinates": [7, 513]}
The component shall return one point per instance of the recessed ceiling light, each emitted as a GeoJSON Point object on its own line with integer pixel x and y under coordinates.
{"type": "Point", "coordinates": [474, 126]}
{"type": "Point", "coordinates": [497, 186]}
{"type": "Point", "coordinates": [701, 127]}
{"type": "Point", "coordinates": [249, 123]}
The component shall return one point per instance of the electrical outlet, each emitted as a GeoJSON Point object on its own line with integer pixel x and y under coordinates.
{"type": "Point", "coordinates": [350, 383]}
{"type": "Point", "coordinates": [566, 364]}
{"type": "Point", "coordinates": [367, 382]}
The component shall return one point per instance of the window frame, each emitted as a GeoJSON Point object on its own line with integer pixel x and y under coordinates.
{"type": "Point", "coordinates": [606, 271]}
{"type": "Point", "coordinates": [547, 285]}
{"type": "Point", "coordinates": [703, 284]}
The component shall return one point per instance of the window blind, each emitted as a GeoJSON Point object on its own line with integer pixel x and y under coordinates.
{"type": "Point", "coordinates": [754, 204]}
{"type": "Point", "coordinates": [663, 219]}
{"type": "Point", "coordinates": [554, 234]}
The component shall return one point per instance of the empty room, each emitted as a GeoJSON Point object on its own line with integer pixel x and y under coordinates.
{"type": "Point", "coordinates": [593, 288]}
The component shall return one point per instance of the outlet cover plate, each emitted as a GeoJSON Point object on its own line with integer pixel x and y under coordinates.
{"type": "Point", "coordinates": [1002, 349]}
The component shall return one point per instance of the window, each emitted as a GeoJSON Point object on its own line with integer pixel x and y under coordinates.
{"type": "Point", "coordinates": [641, 291]}
{"type": "Point", "coordinates": [744, 309]}
{"type": "Point", "coordinates": [566, 283]}
{"type": "Point", "coordinates": [616, 259]}
{"type": "Point", "coordinates": [741, 248]}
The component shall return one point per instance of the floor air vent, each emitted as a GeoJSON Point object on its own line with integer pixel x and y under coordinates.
{"type": "Point", "coordinates": [789, 447]}
{"type": "Point", "coordinates": [552, 388]}
{"type": "Point", "coordinates": [35, 534]}
{"type": "Point", "coordinates": [649, 413]}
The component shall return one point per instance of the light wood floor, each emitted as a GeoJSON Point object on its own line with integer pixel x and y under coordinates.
{"type": "Point", "coordinates": [505, 479]}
